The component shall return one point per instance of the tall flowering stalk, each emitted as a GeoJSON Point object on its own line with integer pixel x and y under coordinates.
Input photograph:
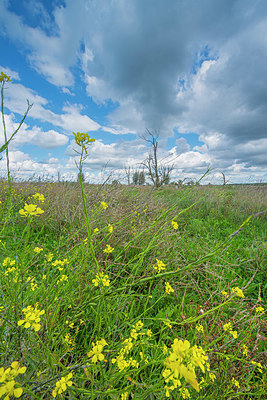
{"type": "Point", "coordinates": [3, 80]}
{"type": "Point", "coordinates": [83, 140]}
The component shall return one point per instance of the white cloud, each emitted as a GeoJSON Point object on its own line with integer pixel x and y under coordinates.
{"type": "Point", "coordinates": [14, 74]}
{"type": "Point", "coordinates": [35, 136]}
{"type": "Point", "coordinates": [70, 120]}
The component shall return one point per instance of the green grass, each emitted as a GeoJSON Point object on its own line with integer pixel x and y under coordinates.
{"type": "Point", "coordinates": [202, 258]}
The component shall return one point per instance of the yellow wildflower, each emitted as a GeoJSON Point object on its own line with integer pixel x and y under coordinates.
{"type": "Point", "coordinates": [244, 350]}
{"type": "Point", "coordinates": [33, 285]}
{"type": "Point", "coordinates": [5, 78]}
{"type": "Point", "coordinates": [160, 266]}
{"type": "Point", "coordinates": [228, 328]}
{"type": "Point", "coordinates": [83, 139]}
{"type": "Point", "coordinates": [174, 225]}
{"type": "Point", "coordinates": [168, 288]}
{"type": "Point", "coordinates": [31, 318]}
{"type": "Point", "coordinates": [101, 278]}
{"type": "Point", "coordinates": [233, 333]}
{"type": "Point", "coordinates": [212, 376]}
{"type": "Point", "coordinates": [8, 388]}
{"type": "Point", "coordinates": [104, 204]}
{"type": "Point", "coordinates": [181, 362]}
{"type": "Point", "coordinates": [38, 249]}
{"type": "Point", "coordinates": [30, 209]}
{"type": "Point", "coordinates": [10, 270]}
{"type": "Point", "coordinates": [108, 249]}
{"type": "Point", "coordinates": [200, 328]}
{"type": "Point", "coordinates": [259, 309]}
{"type": "Point", "coordinates": [8, 261]}
{"type": "Point", "coordinates": [39, 197]}
{"type": "Point", "coordinates": [238, 292]}
{"type": "Point", "coordinates": [259, 366]}
{"type": "Point", "coordinates": [49, 257]}
{"type": "Point", "coordinates": [63, 278]}
{"type": "Point", "coordinates": [62, 385]}
{"type": "Point", "coordinates": [110, 228]}
{"type": "Point", "coordinates": [96, 351]}
{"type": "Point", "coordinates": [70, 324]}
{"type": "Point", "coordinates": [167, 323]}
{"type": "Point", "coordinates": [235, 382]}
{"type": "Point", "coordinates": [149, 332]}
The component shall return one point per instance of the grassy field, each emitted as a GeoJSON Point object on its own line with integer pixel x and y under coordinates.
{"type": "Point", "coordinates": [122, 292]}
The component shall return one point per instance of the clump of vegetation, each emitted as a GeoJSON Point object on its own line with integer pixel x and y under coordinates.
{"type": "Point", "coordinates": [128, 293]}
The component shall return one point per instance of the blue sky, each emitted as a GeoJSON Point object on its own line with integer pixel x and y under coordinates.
{"type": "Point", "coordinates": [192, 72]}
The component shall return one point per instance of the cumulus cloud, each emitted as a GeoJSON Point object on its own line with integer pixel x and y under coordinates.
{"type": "Point", "coordinates": [35, 136]}
{"type": "Point", "coordinates": [138, 53]}
{"type": "Point", "coordinates": [70, 120]}
{"type": "Point", "coordinates": [115, 155]}
{"type": "Point", "coordinates": [9, 72]}
{"type": "Point", "coordinates": [22, 166]}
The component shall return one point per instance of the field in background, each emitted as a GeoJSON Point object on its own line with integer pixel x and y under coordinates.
{"type": "Point", "coordinates": [200, 241]}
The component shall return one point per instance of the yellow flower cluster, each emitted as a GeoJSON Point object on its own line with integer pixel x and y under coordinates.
{"type": "Point", "coordinates": [104, 204]}
{"type": "Point", "coordinates": [258, 365]}
{"type": "Point", "coordinates": [82, 139]}
{"type": "Point", "coordinates": [62, 384]}
{"type": "Point", "coordinates": [101, 278]}
{"type": "Point", "coordinates": [96, 352]}
{"type": "Point", "coordinates": [30, 209]}
{"type": "Point", "coordinates": [136, 328]}
{"type": "Point", "coordinates": [168, 288]}
{"type": "Point", "coordinates": [238, 292]}
{"type": "Point", "coordinates": [108, 249]}
{"type": "Point", "coordinates": [31, 318]}
{"type": "Point", "coordinates": [40, 197]}
{"type": "Point", "coordinates": [110, 228]}
{"type": "Point", "coordinates": [228, 328]}
{"type": "Point", "coordinates": [245, 350]}
{"type": "Point", "coordinates": [120, 360]}
{"type": "Point", "coordinates": [200, 328]}
{"type": "Point", "coordinates": [63, 278]}
{"type": "Point", "coordinates": [181, 362]}
{"type": "Point", "coordinates": [174, 225]}
{"type": "Point", "coordinates": [49, 257]}
{"type": "Point", "coordinates": [9, 270]}
{"type": "Point", "coordinates": [38, 250]}
{"type": "Point", "coordinates": [60, 263]}
{"type": "Point", "coordinates": [160, 266]}
{"type": "Point", "coordinates": [127, 345]}
{"type": "Point", "coordinates": [68, 339]}
{"type": "Point", "coordinates": [235, 383]}
{"type": "Point", "coordinates": [8, 386]}
{"type": "Point", "coordinates": [7, 261]}
{"type": "Point", "coordinates": [5, 78]}
{"type": "Point", "coordinates": [32, 283]}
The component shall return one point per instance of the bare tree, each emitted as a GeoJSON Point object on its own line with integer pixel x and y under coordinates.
{"type": "Point", "coordinates": [157, 172]}
{"type": "Point", "coordinates": [224, 179]}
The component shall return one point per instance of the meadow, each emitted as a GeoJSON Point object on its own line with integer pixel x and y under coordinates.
{"type": "Point", "coordinates": [151, 294]}
{"type": "Point", "coordinates": [124, 292]}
